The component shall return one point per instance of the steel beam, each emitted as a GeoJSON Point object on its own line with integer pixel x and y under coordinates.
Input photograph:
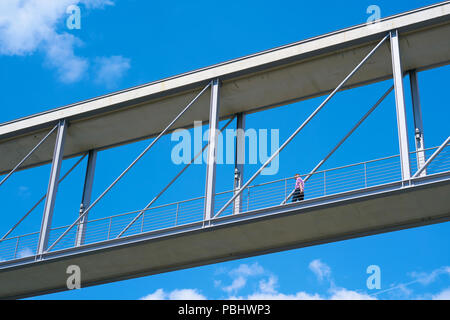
{"type": "Point", "coordinates": [28, 155]}
{"type": "Point", "coordinates": [86, 199]}
{"type": "Point", "coordinates": [42, 198]}
{"type": "Point", "coordinates": [239, 160]}
{"type": "Point", "coordinates": [352, 214]}
{"type": "Point", "coordinates": [312, 115]}
{"type": "Point", "coordinates": [249, 84]}
{"type": "Point", "coordinates": [434, 155]}
{"type": "Point", "coordinates": [400, 106]}
{"type": "Point", "coordinates": [200, 153]}
{"type": "Point", "coordinates": [210, 187]}
{"type": "Point", "coordinates": [128, 168]}
{"type": "Point", "coordinates": [342, 140]}
{"type": "Point", "coordinates": [418, 123]}
{"type": "Point", "coordinates": [52, 187]}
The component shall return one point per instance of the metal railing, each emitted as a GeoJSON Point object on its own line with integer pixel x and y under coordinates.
{"type": "Point", "coordinates": [269, 194]}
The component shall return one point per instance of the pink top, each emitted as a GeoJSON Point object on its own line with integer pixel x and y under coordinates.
{"type": "Point", "coordinates": [300, 184]}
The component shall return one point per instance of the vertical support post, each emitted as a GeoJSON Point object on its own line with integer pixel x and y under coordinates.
{"type": "Point", "coordinates": [210, 187]}
{"type": "Point", "coordinates": [239, 160]}
{"type": "Point", "coordinates": [86, 199]}
{"type": "Point", "coordinates": [285, 188]}
{"type": "Point", "coordinates": [248, 198]}
{"type": "Point", "coordinates": [17, 247]}
{"type": "Point", "coordinates": [365, 175]}
{"type": "Point", "coordinates": [109, 228]}
{"type": "Point", "coordinates": [400, 106]}
{"type": "Point", "coordinates": [418, 123]}
{"type": "Point", "coordinates": [52, 187]}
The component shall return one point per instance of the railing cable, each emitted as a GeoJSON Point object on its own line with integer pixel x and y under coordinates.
{"type": "Point", "coordinates": [343, 139]}
{"type": "Point", "coordinates": [130, 166]}
{"type": "Point", "coordinates": [434, 155]}
{"type": "Point", "coordinates": [43, 197]}
{"type": "Point", "coordinates": [331, 95]}
{"type": "Point", "coordinates": [28, 155]}
{"type": "Point", "coordinates": [169, 184]}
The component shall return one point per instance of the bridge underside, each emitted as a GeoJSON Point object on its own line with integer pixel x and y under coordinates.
{"type": "Point", "coordinates": [332, 218]}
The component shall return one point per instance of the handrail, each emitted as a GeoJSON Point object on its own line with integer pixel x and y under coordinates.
{"type": "Point", "coordinates": [131, 165]}
{"type": "Point", "coordinates": [294, 134]}
{"type": "Point", "coordinates": [336, 147]}
{"type": "Point", "coordinates": [333, 169]}
{"type": "Point", "coordinates": [229, 191]}
{"type": "Point", "coordinates": [43, 197]}
{"type": "Point", "coordinates": [170, 183]}
{"type": "Point", "coordinates": [434, 155]}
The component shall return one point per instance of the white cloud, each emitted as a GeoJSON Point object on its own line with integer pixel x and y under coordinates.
{"type": "Point", "coordinates": [26, 24]}
{"type": "Point", "coordinates": [443, 295]}
{"type": "Point", "coordinates": [248, 270]}
{"type": "Point", "coordinates": [402, 290]}
{"type": "Point", "coordinates": [60, 55]}
{"type": "Point", "coordinates": [345, 294]}
{"type": "Point", "coordinates": [281, 296]}
{"type": "Point", "coordinates": [267, 288]}
{"type": "Point", "coordinates": [239, 278]}
{"type": "Point", "coordinates": [237, 284]}
{"type": "Point", "coordinates": [94, 4]}
{"type": "Point", "coordinates": [240, 275]}
{"type": "Point", "coordinates": [186, 294]}
{"type": "Point", "coordinates": [177, 294]}
{"type": "Point", "coordinates": [30, 26]}
{"type": "Point", "coordinates": [110, 69]}
{"type": "Point", "coordinates": [267, 291]}
{"type": "Point", "coordinates": [159, 294]}
{"type": "Point", "coordinates": [320, 269]}
{"type": "Point", "coordinates": [269, 285]}
{"type": "Point", "coordinates": [427, 278]}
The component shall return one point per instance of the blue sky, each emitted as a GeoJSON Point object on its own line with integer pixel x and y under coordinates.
{"type": "Point", "coordinates": [126, 43]}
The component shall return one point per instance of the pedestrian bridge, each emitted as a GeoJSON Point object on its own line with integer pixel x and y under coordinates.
{"type": "Point", "coordinates": [341, 203]}
{"type": "Point", "coordinates": [324, 187]}
{"type": "Point", "coordinates": [401, 191]}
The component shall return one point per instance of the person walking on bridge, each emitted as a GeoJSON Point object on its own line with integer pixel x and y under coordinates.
{"type": "Point", "coordinates": [299, 192]}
